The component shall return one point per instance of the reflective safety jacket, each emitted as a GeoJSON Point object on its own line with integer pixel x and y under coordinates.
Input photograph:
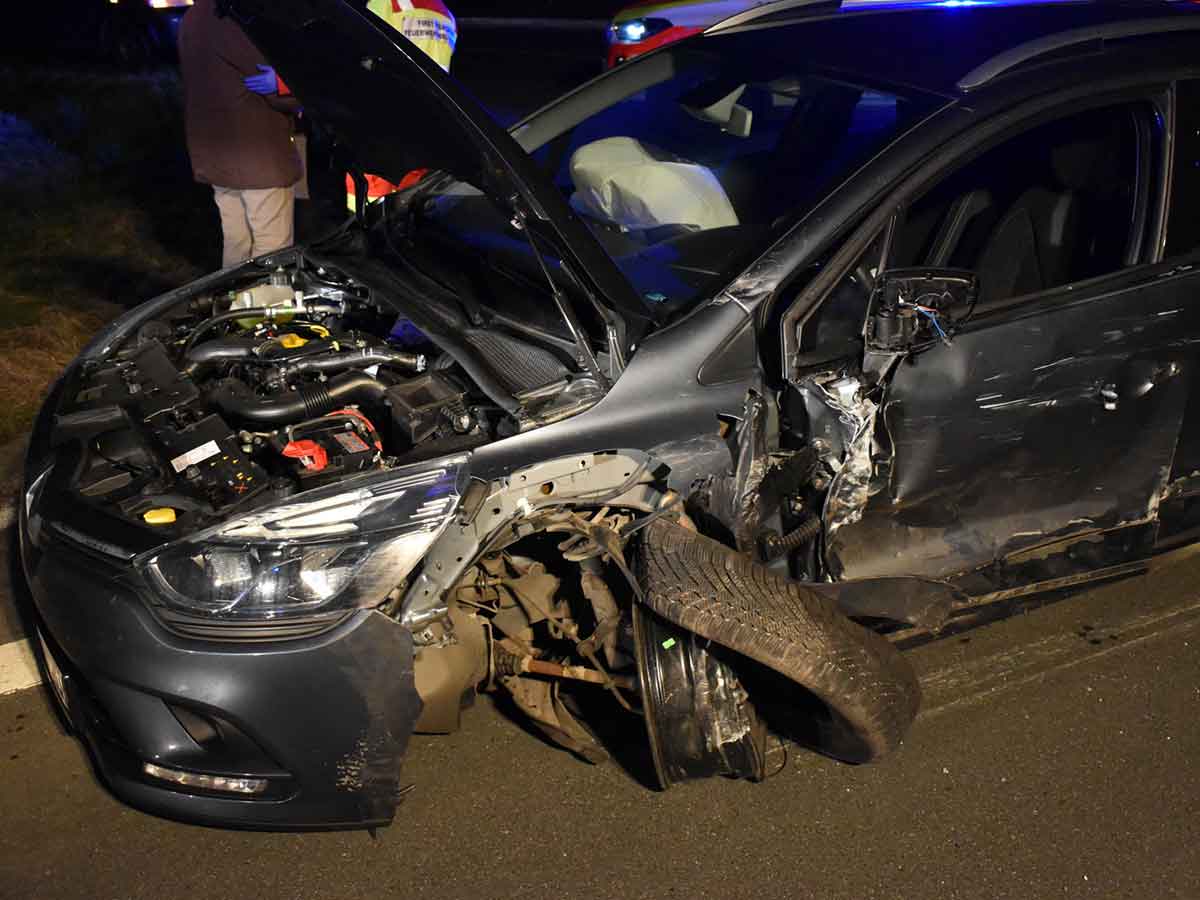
{"type": "Point", "coordinates": [427, 23]}
{"type": "Point", "coordinates": [431, 27]}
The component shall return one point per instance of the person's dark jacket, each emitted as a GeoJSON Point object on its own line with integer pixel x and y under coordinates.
{"type": "Point", "coordinates": [236, 139]}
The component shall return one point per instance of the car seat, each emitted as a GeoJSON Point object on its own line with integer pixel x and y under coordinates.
{"type": "Point", "coordinates": [1048, 236]}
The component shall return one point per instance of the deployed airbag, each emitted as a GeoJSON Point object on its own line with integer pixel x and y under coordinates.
{"type": "Point", "coordinates": [617, 180]}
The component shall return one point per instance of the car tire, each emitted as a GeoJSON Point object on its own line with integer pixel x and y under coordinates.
{"type": "Point", "coordinates": [867, 691]}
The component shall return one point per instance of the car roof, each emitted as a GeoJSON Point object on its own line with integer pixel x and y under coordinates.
{"type": "Point", "coordinates": [955, 46]}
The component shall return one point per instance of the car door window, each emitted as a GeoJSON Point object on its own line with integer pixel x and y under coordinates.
{"type": "Point", "coordinates": [836, 325]}
{"type": "Point", "coordinates": [1183, 223]}
{"type": "Point", "coordinates": [1055, 205]}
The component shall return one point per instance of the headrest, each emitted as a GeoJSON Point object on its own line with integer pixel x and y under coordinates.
{"type": "Point", "coordinates": [1084, 163]}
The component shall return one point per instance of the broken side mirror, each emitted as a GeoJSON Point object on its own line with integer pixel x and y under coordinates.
{"type": "Point", "coordinates": [912, 309]}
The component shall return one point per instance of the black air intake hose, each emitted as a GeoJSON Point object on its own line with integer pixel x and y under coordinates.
{"type": "Point", "coordinates": [357, 359]}
{"type": "Point", "coordinates": [217, 351]}
{"type": "Point", "coordinates": [308, 401]}
{"type": "Point", "coordinates": [319, 359]}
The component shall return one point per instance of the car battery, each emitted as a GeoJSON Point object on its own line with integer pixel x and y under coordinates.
{"type": "Point", "coordinates": [330, 452]}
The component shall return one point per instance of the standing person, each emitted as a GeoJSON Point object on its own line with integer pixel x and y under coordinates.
{"type": "Point", "coordinates": [239, 141]}
{"type": "Point", "coordinates": [429, 25]}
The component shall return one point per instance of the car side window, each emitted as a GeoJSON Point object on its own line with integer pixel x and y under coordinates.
{"type": "Point", "coordinates": [1183, 220]}
{"type": "Point", "coordinates": [1054, 205]}
{"type": "Point", "coordinates": [838, 321]}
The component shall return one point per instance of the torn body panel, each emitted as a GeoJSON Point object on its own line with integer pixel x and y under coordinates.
{"type": "Point", "coordinates": [745, 505]}
{"type": "Point", "coordinates": [851, 486]}
{"type": "Point", "coordinates": [498, 512]}
{"type": "Point", "coordinates": [1043, 421]}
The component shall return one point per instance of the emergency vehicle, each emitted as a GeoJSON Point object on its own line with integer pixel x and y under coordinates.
{"type": "Point", "coordinates": [650, 24]}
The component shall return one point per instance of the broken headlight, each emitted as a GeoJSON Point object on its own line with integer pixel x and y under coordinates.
{"type": "Point", "coordinates": [320, 553]}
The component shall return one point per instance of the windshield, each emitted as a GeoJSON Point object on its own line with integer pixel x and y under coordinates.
{"type": "Point", "coordinates": [687, 164]}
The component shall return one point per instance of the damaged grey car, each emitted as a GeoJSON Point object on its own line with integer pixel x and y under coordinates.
{"type": "Point", "coordinates": [693, 399]}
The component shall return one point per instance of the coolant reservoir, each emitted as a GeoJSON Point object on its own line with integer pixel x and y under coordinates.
{"type": "Point", "coordinates": [277, 292]}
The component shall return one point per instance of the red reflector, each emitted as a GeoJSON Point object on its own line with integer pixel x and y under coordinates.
{"type": "Point", "coordinates": [311, 454]}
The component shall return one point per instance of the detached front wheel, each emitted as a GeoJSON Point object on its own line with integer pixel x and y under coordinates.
{"type": "Point", "coordinates": [858, 694]}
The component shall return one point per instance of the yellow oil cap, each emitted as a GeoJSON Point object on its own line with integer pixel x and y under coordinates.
{"type": "Point", "coordinates": [163, 515]}
{"type": "Point", "coordinates": [291, 341]}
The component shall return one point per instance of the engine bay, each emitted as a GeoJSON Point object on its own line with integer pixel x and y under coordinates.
{"type": "Point", "coordinates": [293, 379]}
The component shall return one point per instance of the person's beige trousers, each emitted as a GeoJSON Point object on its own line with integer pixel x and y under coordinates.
{"type": "Point", "coordinates": [254, 222]}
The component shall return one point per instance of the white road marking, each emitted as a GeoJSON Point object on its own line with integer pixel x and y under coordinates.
{"type": "Point", "coordinates": [18, 667]}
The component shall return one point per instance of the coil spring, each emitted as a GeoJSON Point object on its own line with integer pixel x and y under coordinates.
{"type": "Point", "coordinates": [775, 547]}
{"type": "Point", "coordinates": [506, 663]}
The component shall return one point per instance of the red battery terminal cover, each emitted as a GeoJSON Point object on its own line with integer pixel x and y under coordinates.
{"type": "Point", "coordinates": [311, 454]}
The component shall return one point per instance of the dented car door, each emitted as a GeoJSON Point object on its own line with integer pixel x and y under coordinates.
{"type": "Point", "coordinates": [1049, 414]}
{"type": "Point", "coordinates": [1043, 420]}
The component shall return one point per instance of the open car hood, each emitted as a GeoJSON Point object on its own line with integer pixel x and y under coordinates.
{"type": "Point", "coordinates": [392, 109]}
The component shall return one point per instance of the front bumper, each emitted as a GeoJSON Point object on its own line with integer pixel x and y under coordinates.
{"type": "Point", "coordinates": [325, 718]}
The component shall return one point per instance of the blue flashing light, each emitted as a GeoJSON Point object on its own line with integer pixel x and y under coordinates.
{"type": "Point", "coordinates": [943, 4]}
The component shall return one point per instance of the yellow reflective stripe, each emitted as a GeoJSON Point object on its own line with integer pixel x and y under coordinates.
{"type": "Point", "coordinates": [437, 50]}
{"type": "Point", "coordinates": [434, 34]}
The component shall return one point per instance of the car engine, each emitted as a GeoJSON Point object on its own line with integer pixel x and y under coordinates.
{"type": "Point", "coordinates": [293, 380]}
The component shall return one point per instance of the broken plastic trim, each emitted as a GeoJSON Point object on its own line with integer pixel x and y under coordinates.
{"type": "Point", "coordinates": [619, 480]}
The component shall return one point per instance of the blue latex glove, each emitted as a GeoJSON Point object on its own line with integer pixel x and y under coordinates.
{"type": "Point", "coordinates": [264, 82]}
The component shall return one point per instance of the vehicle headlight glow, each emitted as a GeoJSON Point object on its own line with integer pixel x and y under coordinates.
{"type": "Point", "coordinates": [319, 553]}
{"type": "Point", "coordinates": [633, 31]}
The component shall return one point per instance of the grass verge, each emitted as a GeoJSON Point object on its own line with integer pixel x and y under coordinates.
{"type": "Point", "coordinates": [122, 224]}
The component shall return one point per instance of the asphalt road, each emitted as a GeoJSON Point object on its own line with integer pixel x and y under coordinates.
{"type": "Point", "coordinates": [1056, 756]}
